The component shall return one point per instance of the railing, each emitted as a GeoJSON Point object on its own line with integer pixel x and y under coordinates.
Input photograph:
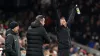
{"type": "Point", "coordinates": [90, 50]}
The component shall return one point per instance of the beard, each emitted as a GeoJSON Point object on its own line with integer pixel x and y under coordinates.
{"type": "Point", "coordinates": [16, 31]}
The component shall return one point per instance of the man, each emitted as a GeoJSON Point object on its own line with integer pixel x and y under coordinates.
{"type": "Point", "coordinates": [36, 37]}
{"type": "Point", "coordinates": [64, 41]}
{"type": "Point", "coordinates": [12, 42]}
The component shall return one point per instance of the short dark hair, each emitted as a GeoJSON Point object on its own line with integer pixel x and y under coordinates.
{"type": "Point", "coordinates": [39, 17]}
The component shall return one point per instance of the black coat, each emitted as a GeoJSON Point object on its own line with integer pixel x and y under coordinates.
{"type": "Point", "coordinates": [8, 31]}
{"type": "Point", "coordinates": [12, 45]}
{"type": "Point", "coordinates": [64, 41]}
{"type": "Point", "coordinates": [36, 37]}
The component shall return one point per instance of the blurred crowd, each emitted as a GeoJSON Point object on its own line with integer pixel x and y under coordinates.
{"type": "Point", "coordinates": [78, 51]}
{"type": "Point", "coordinates": [86, 31]}
{"type": "Point", "coordinates": [85, 28]}
{"type": "Point", "coordinates": [81, 31]}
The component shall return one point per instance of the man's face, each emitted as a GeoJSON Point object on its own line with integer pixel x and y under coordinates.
{"type": "Point", "coordinates": [16, 29]}
{"type": "Point", "coordinates": [63, 21]}
{"type": "Point", "coordinates": [42, 21]}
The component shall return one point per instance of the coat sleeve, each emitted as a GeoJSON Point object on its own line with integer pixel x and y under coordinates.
{"type": "Point", "coordinates": [45, 36]}
{"type": "Point", "coordinates": [9, 44]}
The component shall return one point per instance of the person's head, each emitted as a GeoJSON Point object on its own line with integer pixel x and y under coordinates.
{"type": "Point", "coordinates": [71, 49]}
{"type": "Point", "coordinates": [1, 25]}
{"type": "Point", "coordinates": [41, 19]}
{"type": "Point", "coordinates": [63, 21]}
{"type": "Point", "coordinates": [98, 23]}
{"type": "Point", "coordinates": [90, 54]}
{"type": "Point", "coordinates": [14, 26]}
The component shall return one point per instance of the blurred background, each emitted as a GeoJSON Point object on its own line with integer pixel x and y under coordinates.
{"type": "Point", "coordinates": [85, 27]}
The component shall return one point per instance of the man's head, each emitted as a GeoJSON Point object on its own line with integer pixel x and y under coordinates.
{"type": "Point", "coordinates": [63, 21]}
{"type": "Point", "coordinates": [14, 26]}
{"type": "Point", "coordinates": [1, 25]}
{"type": "Point", "coordinates": [41, 19]}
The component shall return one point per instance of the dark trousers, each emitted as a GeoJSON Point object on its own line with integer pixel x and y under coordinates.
{"type": "Point", "coordinates": [64, 52]}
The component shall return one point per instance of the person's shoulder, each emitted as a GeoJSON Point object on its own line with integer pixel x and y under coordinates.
{"type": "Point", "coordinates": [42, 28]}
{"type": "Point", "coordinates": [68, 29]}
{"type": "Point", "coordinates": [29, 28]}
{"type": "Point", "coordinates": [9, 35]}
{"type": "Point", "coordinates": [8, 30]}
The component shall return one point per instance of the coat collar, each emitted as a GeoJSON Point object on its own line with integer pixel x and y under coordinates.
{"type": "Point", "coordinates": [12, 32]}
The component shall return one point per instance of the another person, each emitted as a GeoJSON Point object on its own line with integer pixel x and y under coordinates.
{"type": "Point", "coordinates": [8, 31]}
{"type": "Point", "coordinates": [12, 42]}
{"type": "Point", "coordinates": [64, 40]}
{"type": "Point", "coordinates": [2, 40]}
{"type": "Point", "coordinates": [36, 37]}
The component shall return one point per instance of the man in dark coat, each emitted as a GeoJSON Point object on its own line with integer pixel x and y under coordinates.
{"type": "Point", "coordinates": [36, 37]}
{"type": "Point", "coordinates": [64, 40]}
{"type": "Point", "coordinates": [12, 42]}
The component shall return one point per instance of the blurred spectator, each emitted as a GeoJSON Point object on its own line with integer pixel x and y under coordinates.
{"type": "Point", "coordinates": [46, 52]}
{"type": "Point", "coordinates": [23, 52]}
{"type": "Point", "coordinates": [75, 54]}
{"type": "Point", "coordinates": [2, 40]}
{"type": "Point", "coordinates": [95, 37]}
{"type": "Point", "coordinates": [55, 51]}
{"type": "Point", "coordinates": [97, 46]}
{"type": "Point", "coordinates": [81, 24]}
{"type": "Point", "coordinates": [2, 29]}
{"type": "Point", "coordinates": [90, 54]}
{"type": "Point", "coordinates": [91, 44]}
{"type": "Point", "coordinates": [1, 51]}
{"type": "Point", "coordinates": [98, 26]}
{"type": "Point", "coordinates": [92, 24]}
